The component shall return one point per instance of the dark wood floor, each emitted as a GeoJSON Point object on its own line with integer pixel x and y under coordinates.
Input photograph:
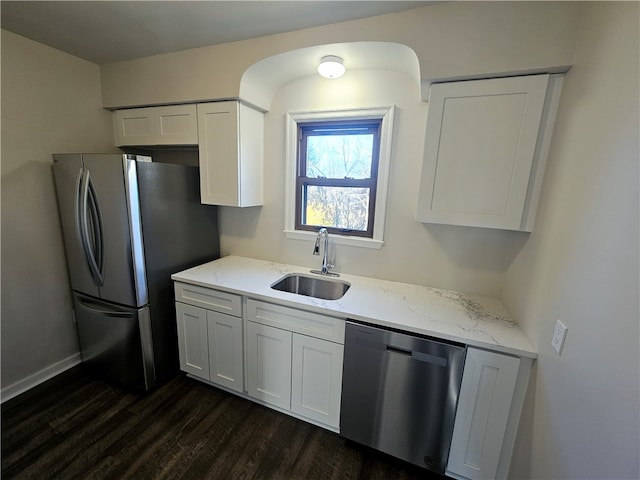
{"type": "Point", "coordinates": [78, 427]}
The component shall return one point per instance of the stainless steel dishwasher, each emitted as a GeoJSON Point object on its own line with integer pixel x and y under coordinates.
{"type": "Point", "coordinates": [399, 393]}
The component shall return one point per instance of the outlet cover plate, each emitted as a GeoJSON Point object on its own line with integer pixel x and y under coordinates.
{"type": "Point", "coordinates": [559, 335]}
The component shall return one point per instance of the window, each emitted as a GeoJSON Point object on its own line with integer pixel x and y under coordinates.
{"type": "Point", "coordinates": [337, 174]}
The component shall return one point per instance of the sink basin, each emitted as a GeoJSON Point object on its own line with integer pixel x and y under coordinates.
{"type": "Point", "coordinates": [315, 287]}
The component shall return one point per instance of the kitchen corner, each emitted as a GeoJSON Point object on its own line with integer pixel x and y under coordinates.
{"type": "Point", "coordinates": [303, 356]}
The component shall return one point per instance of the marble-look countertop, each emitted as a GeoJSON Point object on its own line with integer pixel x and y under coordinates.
{"type": "Point", "coordinates": [475, 320]}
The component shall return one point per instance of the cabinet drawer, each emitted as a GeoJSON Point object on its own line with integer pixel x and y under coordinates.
{"type": "Point", "coordinates": [210, 299]}
{"type": "Point", "coordinates": [299, 321]}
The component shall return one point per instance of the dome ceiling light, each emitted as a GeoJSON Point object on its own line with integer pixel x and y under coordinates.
{"type": "Point", "coordinates": [331, 66]}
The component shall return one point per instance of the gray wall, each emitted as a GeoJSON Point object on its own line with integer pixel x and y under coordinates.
{"type": "Point", "coordinates": [50, 104]}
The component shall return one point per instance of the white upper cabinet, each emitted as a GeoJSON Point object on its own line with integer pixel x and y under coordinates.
{"type": "Point", "coordinates": [231, 154]}
{"type": "Point", "coordinates": [168, 125]}
{"type": "Point", "coordinates": [485, 150]}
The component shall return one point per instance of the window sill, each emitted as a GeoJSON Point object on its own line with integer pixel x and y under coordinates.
{"type": "Point", "coordinates": [336, 239]}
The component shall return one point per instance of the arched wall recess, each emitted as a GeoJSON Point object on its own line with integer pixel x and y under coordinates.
{"type": "Point", "coordinates": [262, 80]}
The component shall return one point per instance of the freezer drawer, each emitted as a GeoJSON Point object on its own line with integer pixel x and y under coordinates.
{"type": "Point", "coordinates": [115, 341]}
{"type": "Point", "coordinates": [399, 393]}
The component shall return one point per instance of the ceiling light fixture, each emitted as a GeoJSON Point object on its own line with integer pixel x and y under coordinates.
{"type": "Point", "coordinates": [331, 67]}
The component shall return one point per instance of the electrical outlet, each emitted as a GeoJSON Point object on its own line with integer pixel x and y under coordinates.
{"type": "Point", "coordinates": [559, 334]}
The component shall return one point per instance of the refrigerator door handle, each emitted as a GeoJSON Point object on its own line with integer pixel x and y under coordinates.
{"type": "Point", "coordinates": [96, 222]}
{"type": "Point", "coordinates": [91, 241]}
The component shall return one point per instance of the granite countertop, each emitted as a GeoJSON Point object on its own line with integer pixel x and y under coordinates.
{"type": "Point", "coordinates": [475, 320]}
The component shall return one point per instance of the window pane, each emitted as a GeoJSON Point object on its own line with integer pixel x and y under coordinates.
{"type": "Point", "coordinates": [338, 207]}
{"type": "Point", "coordinates": [339, 156]}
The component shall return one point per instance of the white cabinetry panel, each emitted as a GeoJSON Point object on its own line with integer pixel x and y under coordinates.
{"type": "Point", "coordinates": [192, 340]}
{"type": "Point", "coordinates": [210, 341]}
{"type": "Point", "coordinates": [269, 364]}
{"type": "Point", "coordinates": [176, 125]}
{"type": "Point", "coordinates": [300, 321]}
{"type": "Point", "coordinates": [231, 154]}
{"type": "Point", "coordinates": [484, 150]}
{"type": "Point", "coordinates": [166, 125]}
{"type": "Point", "coordinates": [134, 126]}
{"type": "Point", "coordinates": [216, 300]}
{"type": "Point", "coordinates": [316, 379]}
{"type": "Point", "coordinates": [225, 350]}
{"type": "Point", "coordinates": [488, 384]}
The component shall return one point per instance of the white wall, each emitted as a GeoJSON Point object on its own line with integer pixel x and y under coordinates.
{"type": "Point", "coordinates": [581, 265]}
{"type": "Point", "coordinates": [464, 259]}
{"type": "Point", "coordinates": [50, 104]}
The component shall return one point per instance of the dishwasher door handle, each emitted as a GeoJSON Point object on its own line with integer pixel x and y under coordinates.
{"type": "Point", "coordinates": [401, 351]}
{"type": "Point", "coordinates": [419, 356]}
{"type": "Point", "coordinates": [366, 341]}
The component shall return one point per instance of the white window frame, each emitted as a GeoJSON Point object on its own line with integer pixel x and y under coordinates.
{"type": "Point", "coordinates": [384, 162]}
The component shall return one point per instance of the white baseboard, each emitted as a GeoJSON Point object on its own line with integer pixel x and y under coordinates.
{"type": "Point", "coordinates": [21, 386]}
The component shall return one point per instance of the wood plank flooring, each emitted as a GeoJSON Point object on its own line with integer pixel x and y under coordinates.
{"type": "Point", "coordinates": [75, 426]}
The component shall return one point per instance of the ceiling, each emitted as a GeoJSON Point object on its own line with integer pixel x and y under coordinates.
{"type": "Point", "coordinates": [105, 32]}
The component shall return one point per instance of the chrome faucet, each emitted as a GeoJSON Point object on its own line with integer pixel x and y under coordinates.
{"type": "Point", "coordinates": [323, 234]}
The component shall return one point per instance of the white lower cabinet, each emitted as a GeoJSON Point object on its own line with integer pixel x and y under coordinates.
{"type": "Point", "coordinates": [224, 334]}
{"type": "Point", "coordinates": [484, 407]}
{"type": "Point", "coordinates": [316, 379]}
{"type": "Point", "coordinates": [294, 361]}
{"type": "Point", "coordinates": [192, 340]}
{"type": "Point", "coordinates": [210, 342]}
{"type": "Point", "coordinates": [269, 364]}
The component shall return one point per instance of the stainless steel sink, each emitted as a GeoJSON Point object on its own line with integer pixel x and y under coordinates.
{"type": "Point", "coordinates": [310, 286]}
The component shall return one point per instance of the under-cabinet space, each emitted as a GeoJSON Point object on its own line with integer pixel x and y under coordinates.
{"type": "Point", "coordinates": [485, 151]}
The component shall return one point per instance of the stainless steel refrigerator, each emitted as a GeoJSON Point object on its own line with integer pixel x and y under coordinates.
{"type": "Point", "coordinates": [128, 224]}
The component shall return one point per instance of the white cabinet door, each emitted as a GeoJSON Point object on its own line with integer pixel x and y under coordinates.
{"type": "Point", "coordinates": [225, 350]}
{"type": "Point", "coordinates": [488, 383]}
{"type": "Point", "coordinates": [134, 126]}
{"type": "Point", "coordinates": [168, 125]}
{"type": "Point", "coordinates": [316, 379]}
{"type": "Point", "coordinates": [176, 125]}
{"type": "Point", "coordinates": [480, 144]}
{"type": "Point", "coordinates": [230, 138]}
{"type": "Point", "coordinates": [193, 345]}
{"type": "Point", "coordinates": [269, 364]}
